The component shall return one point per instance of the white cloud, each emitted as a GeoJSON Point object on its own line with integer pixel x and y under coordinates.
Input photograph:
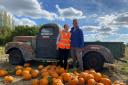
{"type": "Point", "coordinates": [69, 13]}
{"type": "Point", "coordinates": [90, 28]}
{"type": "Point", "coordinates": [29, 8]}
{"type": "Point", "coordinates": [23, 21]}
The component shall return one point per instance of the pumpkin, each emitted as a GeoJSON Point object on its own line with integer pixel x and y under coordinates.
{"type": "Point", "coordinates": [35, 73]}
{"type": "Point", "coordinates": [27, 76]}
{"type": "Point", "coordinates": [81, 81]}
{"type": "Point", "coordinates": [91, 82]}
{"type": "Point", "coordinates": [60, 70]}
{"type": "Point", "coordinates": [43, 81]}
{"type": "Point", "coordinates": [40, 67]}
{"type": "Point", "coordinates": [28, 69]}
{"type": "Point", "coordinates": [73, 81]}
{"type": "Point", "coordinates": [88, 76]}
{"type": "Point", "coordinates": [3, 73]}
{"type": "Point", "coordinates": [99, 84]}
{"type": "Point", "coordinates": [19, 72]}
{"type": "Point", "coordinates": [105, 81]}
{"type": "Point", "coordinates": [35, 82]}
{"type": "Point", "coordinates": [83, 74]}
{"type": "Point", "coordinates": [54, 74]}
{"type": "Point", "coordinates": [8, 79]}
{"type": "Point", "coordinates": [44, 74]}
{"type": "Point", "coordinates": [116, 82]}
{"type": "Point", "coordinates": [27, 65]}
{"type": "Point", "coordinates": [18, 67]}
{"type": "Point", "coordinates": [57, 82]}
{"type": "Point", "coordinates": [97, 76]}
{"type": "Point", "coordinates": [66, 76]}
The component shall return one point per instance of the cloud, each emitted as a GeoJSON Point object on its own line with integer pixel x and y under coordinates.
{"type": "Point", "coordinates": [29, 8]}
{"type": "Point", "coordinates": [23, 21]}
{"type": "Point", "coordinates": [90, 28]}
{"type": "Point", "coordinates": [69, 13]}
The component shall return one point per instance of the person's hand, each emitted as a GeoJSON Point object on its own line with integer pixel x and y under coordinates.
{"type": "Point", "coordinates": [57, 48]}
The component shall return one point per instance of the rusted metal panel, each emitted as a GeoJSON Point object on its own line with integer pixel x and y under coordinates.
{"type": "Point", "coordinates": [100, 49]}
{"type": "Point", "coordinates": [27, 50]}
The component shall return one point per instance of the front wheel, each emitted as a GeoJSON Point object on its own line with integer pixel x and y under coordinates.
{"type": "Point", "coordinates": [93, 60]}
{"type": "Point", "coordinates": [16, 57]}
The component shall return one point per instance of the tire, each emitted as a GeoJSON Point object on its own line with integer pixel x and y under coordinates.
{"type": "Point", "coordinates": [16, 57]}
{"type": "Point", "coordinates": [93, 60]}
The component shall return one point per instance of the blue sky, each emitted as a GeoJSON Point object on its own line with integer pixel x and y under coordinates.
{"type": "Point", "coordinates": [104, 20]}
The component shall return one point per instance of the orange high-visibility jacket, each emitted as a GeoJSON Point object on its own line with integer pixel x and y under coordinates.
{"type": "Point", "coordinates": [64, 40]}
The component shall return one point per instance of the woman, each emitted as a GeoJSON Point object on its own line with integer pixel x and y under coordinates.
{"type": "Point", "coordinates": [63, 46]}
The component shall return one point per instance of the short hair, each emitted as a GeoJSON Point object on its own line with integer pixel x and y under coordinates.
{"type": "Point", "coordinates": [75, 20]}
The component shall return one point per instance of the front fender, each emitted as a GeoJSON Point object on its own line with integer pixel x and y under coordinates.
{"type": "Point", "coordinates": [26, 49]}
{"type": "Point", "coordinates": [102, 50]}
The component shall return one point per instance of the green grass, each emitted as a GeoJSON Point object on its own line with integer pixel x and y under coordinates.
{"type": "Point", "coordinates": [2, 50]}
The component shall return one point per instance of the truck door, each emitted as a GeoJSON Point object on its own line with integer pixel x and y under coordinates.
{"type": "Point", "coordinates": [46, 41]}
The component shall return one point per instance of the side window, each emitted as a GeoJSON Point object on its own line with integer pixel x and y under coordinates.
{"type": "Point", "coordinates": [47, 31]}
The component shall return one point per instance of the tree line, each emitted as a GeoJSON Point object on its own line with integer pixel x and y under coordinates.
{"type": "Point", "coordinates": [7, 34]}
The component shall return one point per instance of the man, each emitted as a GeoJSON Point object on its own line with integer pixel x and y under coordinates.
{"type": "Point", "coordinates": [63, 46]}
{"type": "Point", "coordinates": [77, 43]}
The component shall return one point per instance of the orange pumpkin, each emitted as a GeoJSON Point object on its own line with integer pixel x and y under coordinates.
{"type": "Point", "coordinates": [60, 70]}
{"type": "Point", "coordinates": [99, 84]}
{"type": "Point", "coordinates": [35, 82]}
{"type": "Point", "coordinates": [43, 81]}
{"type": "Point", "coordinates": [8, 79]}
{"type": "Point", "coordinates": [105, 81]}
{"type": "Point", "coordinates": [81, 81]}
{"type": "Point", "coordinates": [3, 73]}
{"type": "Point", "coordinates": [73, 81]}
{"type": "Point", "coordinates": [91, 82]}
{"type": "Point", "coordinates": [54, 74]}
{"type": "Point", "coordinates": [27, 65]}
{"type": "Point", "coordinates": [57, 82]}
{"type": "Point", "coordinates": [83, 74]}
{"type": "Point", "coordinates": [27, 76]}
{"type": "Point", "coordinates": [18, 67]}
{"type": "Point", "coordinates": [40, 67]}
{"type": "Point", "coordinates": [19, 72]}
{"type": "Point", "coordinates": [28, 69]}
{"type": "Point", "coordinates": [88, 76]}
{"type": "Point", "coordinates": [97, 76]}
{"type": "Point", "coordinates": [66, 76]}
{"type": "Point", "coordinates": [35, 73]}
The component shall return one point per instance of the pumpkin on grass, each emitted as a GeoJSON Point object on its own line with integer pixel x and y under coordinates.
{"type": "Point", "coordinates": [35, 73]}
{"type": "Point", "coordinates": [3, 73]}
{"type": "Point", "coordinates": [73, 81]}
{"type": "Point", "coordinates": [43, 81]}
{"type": "Point", "coordinates": [27, 65]}
{"type": "Point", "coordinates": [19, 72]}
{"type": "Point", "coordinates": [28, 69]}
{"type": "Point", "coordinates": [105, 81]}
{"type": "Point", "coordinates": [27, 76]}
{"type": "Point", "coordinates": [18, 67]}
{"type": "Point", "coordinates": [40, 67]}
{"type": "Point", "coordinates": [81, 81]}
{"type": "Point", "coordinates": [97, 76]}
{"type": "Point", "coordinates": [91, 82]}
{"type": "Point", "coordinates": [35, 82]}
{"type": "Point", "coordinates": [8, 79]}
{"type": "Point", "coordinates": [66, 76]}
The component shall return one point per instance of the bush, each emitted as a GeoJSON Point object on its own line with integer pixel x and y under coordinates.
{"type": "Point", "coordinates": [8, 34]}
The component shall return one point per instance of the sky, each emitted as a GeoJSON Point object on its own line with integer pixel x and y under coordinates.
{"type": "Point", "coordinates": [100, 20]}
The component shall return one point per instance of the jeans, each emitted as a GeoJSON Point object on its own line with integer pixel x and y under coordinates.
{"type": "Point", "coordinates": [76, 54]}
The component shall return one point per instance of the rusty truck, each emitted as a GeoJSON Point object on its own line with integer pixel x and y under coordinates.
{"type": "Point", "coordinates": [43, 47]}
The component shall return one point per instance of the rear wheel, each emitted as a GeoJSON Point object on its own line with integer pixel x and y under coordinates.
{"type": "Point", "coordinates": [16, 57]}
{"type": "Point", "coordinates": [93, 60]}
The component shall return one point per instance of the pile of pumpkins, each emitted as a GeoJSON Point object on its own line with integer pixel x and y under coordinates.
{"type": "Point", "coordinates": [55, 75]}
